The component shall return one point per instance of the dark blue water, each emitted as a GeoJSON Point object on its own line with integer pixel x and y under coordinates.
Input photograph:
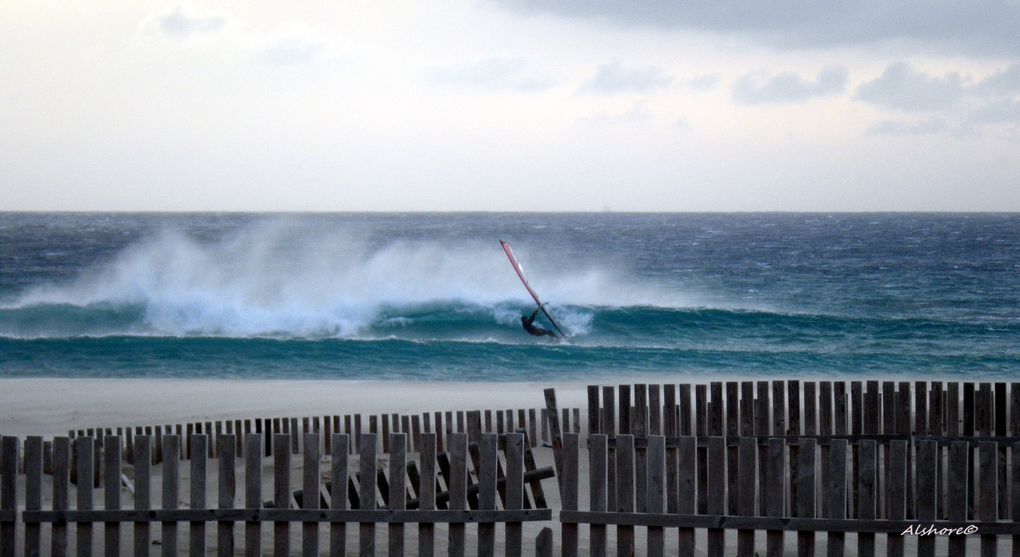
{"type": "Point", "coordinates": [413, 296]}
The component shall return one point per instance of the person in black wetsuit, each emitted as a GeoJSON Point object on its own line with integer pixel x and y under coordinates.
{"type": "Point", "coordinates": [529, 325]}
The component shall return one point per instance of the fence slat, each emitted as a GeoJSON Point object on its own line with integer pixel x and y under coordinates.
{"type": "Point", "coordinates": [687, 459]}
{"type": "Point", "coordinates": [61, 491]}
{"type": "Point", "coordinates": [252, 492]}
{"type": "Point", "coordinates": [988, 507]}
{"type": "Point", "coordinates": [867, 494]}
{"type": "Point", "coordinates": [338, 477]}
{"type": "Point", "coordinates": [716, 493]}
{"type": "Point", "coordinates": [805, 480]}
{"type": "Point", "coordinates": [597, 455]}
{"type": "Point", "coordinates": [570, 479]}
{"type": "Point", "coordinates": [837, 493]}
{"type": "Point", "coordinates": [959, 454]}
{"type": "Point", "coordinates": [226, 491]}
{"type": "Point", "coordinates": [775, 489]}
{"type": "Point", "coordinates": [926, 491]}
{"type": "Point", "coordinates": [310, 493]}
{"type": "Point", "coordinates": [656, 461]}
{"type": "Point", "coordinates": [896, 493]}
{"type": "Point", "coordinates": [366, 493]}
{"type": "Point", "coordinates": [457, 444]}
{"type": "Point", "coordinates": [514, 450]}
{"type": "Point", "coordinates": [33, 492]}
{"type": "Point", "coordinates": [747, 469]}
{"type": "Point", "coordinates": [625, 491]}
{"type": "Point", "coordinates": [83, 451]}
{"type": "Point", "coordinates": [196, 530]}
{"type": "Point", "coordinates": [143, 490]}
{"type": "Point", "coordinates": [9, 494]}
{"type": "Point", "coordinates": [171, 491]}
{"type": "Point", "coordinates": [398, 491]}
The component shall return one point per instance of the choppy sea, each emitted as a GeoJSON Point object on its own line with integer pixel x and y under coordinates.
{"type": "Point", "coordinates": [432, 296]}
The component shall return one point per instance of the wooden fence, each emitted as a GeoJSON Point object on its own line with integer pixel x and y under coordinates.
{"type": "Point", "coordinates": [656, 489]}
{"type": "Point", "coordinates": [442, 494]}
{"type": "Point", "coordinates": [443, 423]}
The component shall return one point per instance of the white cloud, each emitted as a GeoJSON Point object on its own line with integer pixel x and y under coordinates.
{"type": "Point", "coordinates": [182, 22]}
{"type": "Point", "coordinates": [927, 126]}
{"type": "Point", "coordinates": [291, 50]}
{"type": "Point", "coordinates": [788, 87]}
{"type": "Point", "coordinates": [496, 73]}
{"type": "Point", "coordinates": [901, 87]}
{"type": "Point", "coordinates": [615, 77]}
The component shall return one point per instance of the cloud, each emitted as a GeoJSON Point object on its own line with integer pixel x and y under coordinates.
{"type": "Point", "coordinates": [703, 82]}
{"type": "Point", "coordinates": [788, 87]}
{"type": "Point", "coordinates": [1002, 111]}
{"type": "Point", "coordinates": [637, 114]}
{"type": "Point", "coordinates": [180, 23]}
{"type": "Point", "coordinates": [928, 126]}
{"type": "Point", "coordinates": [291, 50]}
{"type": "Point", "coordinates": [1004, 82]}
{"type": "Point", "coordinates": [615, 77]}
{"type": "Point", "coordinates": [945, 25]}
{"type": "Point", "coordinates": [900, 87]}
{"type": "Point", "coordinates": [515, 74]}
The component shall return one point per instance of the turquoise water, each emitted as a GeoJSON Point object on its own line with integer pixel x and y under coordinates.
{"type": "Point", "coordinates": [431, 296]}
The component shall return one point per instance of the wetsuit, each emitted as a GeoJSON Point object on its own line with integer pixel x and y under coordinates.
{"type": "Point", "coordinates": [529, 325]}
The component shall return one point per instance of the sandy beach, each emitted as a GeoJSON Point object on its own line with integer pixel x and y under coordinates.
{"type": "Point", "coordinates": [53, 406]}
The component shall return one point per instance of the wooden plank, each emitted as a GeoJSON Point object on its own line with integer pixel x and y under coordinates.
{"type": "Point", "coordinates": [687, 459]}
{"type": "Point", "coordinates": [717, 493]}
{"type": "Point", "coordinates": [1015, 491]}
{"type": "Point", "coordinates": [197, 498]}
{"type": "Point", "coordinates": [143, 492]}
{"type": "Point", "coordinates": [458, 489]}
{"type": "Point", "coordinates": [366, 491]}
{"type": "Point", "coordinates": [958, 468]}
{"type": "Point", "coordinates": [594, 411]}
{"type": "Point", "coordinates": [671, 427]}
{"type": "Point", "coordinates": [554, 428]}
{"type": "Point", "coordinates": [338, 492]}
{"type": "Point", "coordinates": [685, 409]}
{"type": "Point", "coordinates": [732, 430]}
{"type": "Point", "coordinates": [953, 417]}
{"type": "Point", "coordinates": [83, 449]}
{"type": "Point", "coordinates": [398, 491]}
{"type": "Point", "coordinates": [33, 493]}
{"type": "Point", "coordinates": [171, 491]}
{"type": "Point", "coordinates": [625, 491]}
{"type": "Point", "coordinates": [655, 497]}
{"type": "Point", "coordinates": [609, 426]}
{"type": "Point", "coordinates": [570, 480]}
{"type": "Point", "coordinates": [775, 489]}
{"type": "Point", "coordinates": [926, 492]}
{"type": "Point", "coordinates": [654, 410]}
{"type": "Point", "coordinates": [281, 490]}
{"type": "Point", "coordinates": [624, 398]}
{"type": "Point", "coordinates": [837, 494]}
{"type": "Point", "coordinates": [310, 493]}
{"type": "Point", "coordinates": [61, 491]}
{"type": "Point", "coordinates": [762, 427]}
{"type": "Point", "coordinates": [896, 493]}
{"type": "Point", "coordinates": [426, 492]}
{"type": "Point", "coordinates": [793, 427]}
{"type": "Point", "coordinates": [532, 428]}
{"type": "Point", "coordinates": [748, 473]}
{"type": "Point", "coordinates": [639, 427]}
{"type": "Point", "coordinates": [253, 492]}
{"type": "Point", "coordinates": [597, 455]}
{"type": "Point", "coordinates": [226, 490]}
{"type": "Point", "coordinates": [867, 489]}
{"type": "Point", "coordinates": [486, 467]}
{"type": "Point", "coordinates": [1000, 431]}
{"type": "Point", "coordinates": [810, 408]}
{"type": "Point", "coordinates": [514, 452]}
{"type": "Point", "coordinates": [805, 502]}
{"type": "Point", "coordinates": [839, 409]}
{"type": "Point", "coordinates": [544, 543]}
{"type": "Point", "coordinates": [715, 409]}
{"type": "Point", "coordinates": [988, 508]}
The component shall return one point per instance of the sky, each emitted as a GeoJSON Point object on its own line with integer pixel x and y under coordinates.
{"type": "Point", "coordinates": [510, 105]}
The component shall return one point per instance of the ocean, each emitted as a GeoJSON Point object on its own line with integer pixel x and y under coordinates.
{"type": "Point", "coordinates": [432, 296]}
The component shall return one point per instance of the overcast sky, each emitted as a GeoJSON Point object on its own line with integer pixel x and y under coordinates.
{"type": "Point", "coordinates": [510, 105]}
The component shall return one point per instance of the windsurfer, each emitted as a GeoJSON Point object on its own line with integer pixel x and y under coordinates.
{"type": "Point", "coordinates": [529, 325]}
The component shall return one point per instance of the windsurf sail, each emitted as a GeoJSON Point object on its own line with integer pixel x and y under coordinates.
{"type": "Point", "coordinates": [519, 269]}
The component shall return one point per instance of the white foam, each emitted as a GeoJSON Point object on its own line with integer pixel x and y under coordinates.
{"type": "Point", "coordinates": [280, 278]}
